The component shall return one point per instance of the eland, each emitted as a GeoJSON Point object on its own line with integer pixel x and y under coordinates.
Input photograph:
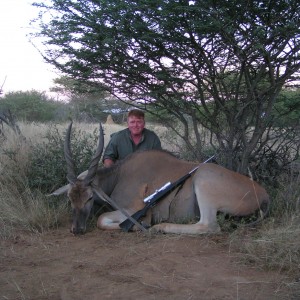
{"type": "Point", "coordinates": [209, 190]}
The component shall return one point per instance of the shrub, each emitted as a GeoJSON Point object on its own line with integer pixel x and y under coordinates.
{"type": "Point", "coordinates": [32, 167]}
{"type": "Point", "coordinates": [32, 106]}
{"type": "Point", "coordinates": [47, 169]}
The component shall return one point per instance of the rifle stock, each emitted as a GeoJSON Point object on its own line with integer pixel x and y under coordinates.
{"type": "Point", "coordinates": [155, 197]}
{"type": "Point", "coordinates": [128, 224]}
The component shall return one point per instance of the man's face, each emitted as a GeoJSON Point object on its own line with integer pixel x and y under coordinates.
{"type": "Point", "coordinates": [135, 125]}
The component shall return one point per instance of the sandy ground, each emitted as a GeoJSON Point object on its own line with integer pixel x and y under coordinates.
{"type": "Point", "coordinates": [118, 265]}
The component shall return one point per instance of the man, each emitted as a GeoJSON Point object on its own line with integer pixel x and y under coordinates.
{"type": "Point", "coordinates": [135, 137]}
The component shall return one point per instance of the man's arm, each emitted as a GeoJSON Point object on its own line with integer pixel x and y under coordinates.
{"type": "Point", "coordinates": [156, 142]}
{"type": "Point", "coordinates": [110, 153]}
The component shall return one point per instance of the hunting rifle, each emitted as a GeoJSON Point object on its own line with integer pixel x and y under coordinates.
{"type": "Point", "coordinates": [156, 196]}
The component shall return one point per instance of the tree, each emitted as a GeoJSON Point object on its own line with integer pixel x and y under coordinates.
{"type": "Point", "coordinates": [286, 111]}
{"type": "Point", "coordinates": [88, 101]}
{"type": "Point", "coordinates": [221, 64]}
{"type": "Point", "coordinates": [31, 106]}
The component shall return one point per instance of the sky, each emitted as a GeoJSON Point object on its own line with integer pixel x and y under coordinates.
{"type": "Point", "coordinates": [20, 62]}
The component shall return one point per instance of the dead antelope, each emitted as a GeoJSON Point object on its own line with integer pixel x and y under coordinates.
{"type": "Point", "coordinates": [210, 189]}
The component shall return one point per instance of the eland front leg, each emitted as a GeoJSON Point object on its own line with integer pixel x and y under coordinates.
{"type": "Point", "coordinates": [110, 220]}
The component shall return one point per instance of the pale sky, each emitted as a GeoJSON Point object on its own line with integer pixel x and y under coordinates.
{"type": "Point", "coordinates": [20, 62]}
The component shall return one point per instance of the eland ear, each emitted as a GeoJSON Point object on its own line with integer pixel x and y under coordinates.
{"type": "Point", "coordinates": [60, 191]}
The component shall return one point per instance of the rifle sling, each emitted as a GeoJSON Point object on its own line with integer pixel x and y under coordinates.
{"type": "Point", "coordinates": [179, 187]}
{"type": "Point", "coordinates": [107, 199]}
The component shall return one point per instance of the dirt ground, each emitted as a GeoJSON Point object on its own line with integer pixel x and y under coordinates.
{"type": "Point", "coordinates": [118, 265]}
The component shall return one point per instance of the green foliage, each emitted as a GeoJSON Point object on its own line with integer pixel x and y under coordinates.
{"type": "Point", "coordinates": [221, 64]}
{"type": "Point", "coordinates": [31, 106]}
{"type": "Point", "coordinates": [47, 170]}
{"type": "Point", "coordinates": [287, 108]}
{"type": "Point", "coordinates": [72, 88]}
{"type": "Point", "coordinates": [88, 101]}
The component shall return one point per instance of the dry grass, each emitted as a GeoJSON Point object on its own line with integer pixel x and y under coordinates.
{"type": "Point", "coordinates": [25, 210]}
{"type": "Point", "coordinates": [275, 245]}
{"type": "Point", "coordinates": [272, 247]}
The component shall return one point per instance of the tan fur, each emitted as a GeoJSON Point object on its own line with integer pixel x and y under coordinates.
{"type": "Point", "coordinates": [212, 188]}
{"type": "Point", "coordinates": [219, 189]}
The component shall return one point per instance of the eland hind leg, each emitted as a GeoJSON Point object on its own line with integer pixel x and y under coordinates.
{"type": "Point", "coordinates": [110, 220]}
{"type": "Point", "coordinates": [208, 220]}
{"type": "Point", "coordinates": [207, 224]}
